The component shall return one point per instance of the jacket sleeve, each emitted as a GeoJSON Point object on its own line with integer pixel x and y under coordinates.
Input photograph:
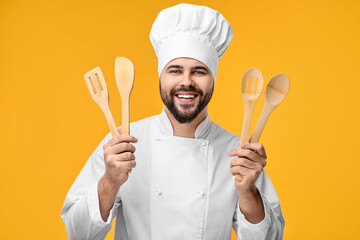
{"type": "Point", "coordinates": [272, 226]}
{"type": "Point", "coordinates": [80, 212]}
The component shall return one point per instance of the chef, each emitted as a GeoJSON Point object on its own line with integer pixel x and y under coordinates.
{"type": "Point", "coordinates": [183, 185]}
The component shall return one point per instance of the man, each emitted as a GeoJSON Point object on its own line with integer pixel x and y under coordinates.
{"type": "Point", "coordinates": [183, 184]}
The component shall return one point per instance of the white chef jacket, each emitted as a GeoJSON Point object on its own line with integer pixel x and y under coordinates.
{"type": "Point", "coordinates": [181, 188]}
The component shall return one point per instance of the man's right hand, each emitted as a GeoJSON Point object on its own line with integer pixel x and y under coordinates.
{"type": "Point", "coordinates": [119, 160]}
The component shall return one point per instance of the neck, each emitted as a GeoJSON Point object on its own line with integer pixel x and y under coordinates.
{"type": "Point", "coordinates": [186, 129]}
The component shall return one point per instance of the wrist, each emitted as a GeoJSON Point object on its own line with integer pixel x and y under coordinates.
{"type": "Point", "coordinates": [251, 191]}
{"type": "Point", "coordinates": [107, 184]}
{"type": "Point", "coordinates": [251, 205]}
{"type": "Point", "coordinates": [107, 191]}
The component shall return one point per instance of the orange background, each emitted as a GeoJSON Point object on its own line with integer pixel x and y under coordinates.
{"type": "Point", "coordinates": [49, 124]}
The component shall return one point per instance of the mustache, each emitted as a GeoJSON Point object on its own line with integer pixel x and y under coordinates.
{"type": "Point", "coordinates": [186, 89]}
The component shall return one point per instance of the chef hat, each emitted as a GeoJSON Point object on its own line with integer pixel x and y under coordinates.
{"type": "Point", "coordinates": [192, 31]}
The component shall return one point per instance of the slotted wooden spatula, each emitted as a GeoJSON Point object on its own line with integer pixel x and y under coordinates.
{"type": "Point", "coordinates": [96, 84]}
{"type": "Point", "coordinates": [124, 75]}
{"type": "Point", "coordinates": [252, 84]}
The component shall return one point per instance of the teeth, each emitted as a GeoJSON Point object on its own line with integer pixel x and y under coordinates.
{"type": "Point", "coordinates": [186, 96]}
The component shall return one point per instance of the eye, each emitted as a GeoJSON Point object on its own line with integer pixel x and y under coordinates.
{"type": "Point", "coordinates": [199, 73]}
{"type": "Point", "coordinates": [175, 71]}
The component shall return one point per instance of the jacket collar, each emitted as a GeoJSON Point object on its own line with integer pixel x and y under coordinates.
{"type": "Point", "coordinates": [166, 129]}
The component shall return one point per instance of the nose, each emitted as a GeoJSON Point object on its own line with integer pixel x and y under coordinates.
{"type": "Point", "coordinates": [187, 79]}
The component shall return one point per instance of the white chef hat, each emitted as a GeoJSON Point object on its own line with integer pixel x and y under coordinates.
{"type": "Point", "coordinates": [193, 31]}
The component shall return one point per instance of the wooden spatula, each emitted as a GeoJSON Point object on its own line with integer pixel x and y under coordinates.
{"type": "Point", "coordinates": [275, 93]}
{"type": "Point", "coordinates": [252, 84]}
{"type": "Point", "coordinates": [124, 75]}
{"type": "Point", "coordinates": [96, 84]}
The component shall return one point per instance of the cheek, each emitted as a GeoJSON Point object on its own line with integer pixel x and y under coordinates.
{"type": "Point", "coordinates": [167, 84]}
{"type": "Point", "coordinates": [162, 83]}
{"type": "Point", "coordinates": [207, 85]}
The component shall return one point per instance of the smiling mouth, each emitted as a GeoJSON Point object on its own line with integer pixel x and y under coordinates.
{"type": "Point", "coordinates": [186, 97]}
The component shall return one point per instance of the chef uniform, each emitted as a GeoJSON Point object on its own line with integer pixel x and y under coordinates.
{"type": "Point", "coordinates": [181, 187]}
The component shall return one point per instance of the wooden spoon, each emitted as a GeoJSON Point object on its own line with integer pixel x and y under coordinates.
{"type": "Point", "coordinates": [252, 84]}
{"type": "Point", "coordinates": [124, 75]}
{"type": "Point", "coordinates": [275, 93]}
{"type": "Point", "coordinates": [96, 84]}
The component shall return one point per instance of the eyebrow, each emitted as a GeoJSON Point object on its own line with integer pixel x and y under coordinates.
{"type": "Point", "coordinates": [174, 66]}
{"type": "Point", "coordinates": [181, 67]}
{"type": "Point", "coordinates": [199, 67]}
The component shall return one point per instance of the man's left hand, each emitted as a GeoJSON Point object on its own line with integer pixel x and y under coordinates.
{"type": "Point", "coordinates": [250, 161]}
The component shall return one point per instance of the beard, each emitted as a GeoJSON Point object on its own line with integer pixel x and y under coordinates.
{"type": "Point", "coordinates": [185, 113]}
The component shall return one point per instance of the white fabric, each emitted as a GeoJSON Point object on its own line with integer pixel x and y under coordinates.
{"type": "Point", "coordinates": [181, 188]}
{"type": "Point", "coordinates": [193, 31]}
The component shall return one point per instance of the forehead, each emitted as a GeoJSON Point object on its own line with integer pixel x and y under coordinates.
{"type": "Point", "coordinates": [186, 62]}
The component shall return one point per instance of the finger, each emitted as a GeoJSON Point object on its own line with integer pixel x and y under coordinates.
{"type": "Point", "coordinates": [243, 162]}
{"type": "Point", "coordinates": [125, 166]}
{"type": "Point", "coordinates": [123, 157]}
{"type": "Point", "coordinates": [122, 147]}
{"type": "Point", "coordinates": [256, 147]}
{"type": "Point", "coordinates": [122, 138]}
{"type": "Point", "coordinates": [240, 170]}
{"type": "Point", "coordinates": [245, 153]}
{"type": "Point", "coordinates": [129, 165]}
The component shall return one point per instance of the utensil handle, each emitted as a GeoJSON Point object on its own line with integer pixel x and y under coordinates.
{"type": "Point", "coordinates": [245, 134]}
{"type": "Point", "coordinates": [110, 120]}
{"type": "Point", "coordinates": [260, 125]}
{"type": "Point", "coordinates": [125, 116]}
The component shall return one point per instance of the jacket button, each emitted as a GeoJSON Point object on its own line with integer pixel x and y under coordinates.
{"type": "Point", "coordinates": [159, 193]}
{"type": "Point", "coordinates": [202, 193]}
{"type": "Point", "coordinates": [203, 143]}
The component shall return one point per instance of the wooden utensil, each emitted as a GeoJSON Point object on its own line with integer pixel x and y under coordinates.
{"type": "Point", "coordinates": [96, 84]}
{"type": "Point", "coordinates": [275, 93]}
{"type": "Point", "coordinates": [124, 75]}
{"type": "Point", "coordinates": [252, 84]}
